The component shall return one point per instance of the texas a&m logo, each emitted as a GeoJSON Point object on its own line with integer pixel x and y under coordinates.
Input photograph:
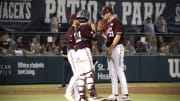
{"type": "Point", "coordinates": [174, 69]}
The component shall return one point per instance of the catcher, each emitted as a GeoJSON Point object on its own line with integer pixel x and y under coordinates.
{"type": "Point", "coordinates": [83, 38]}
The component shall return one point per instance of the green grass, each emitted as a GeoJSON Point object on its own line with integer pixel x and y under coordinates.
{"type": "Point", "coordinates": [60, 97]}
{"type": "Point", "coordinates": [154, 97]}
{"type": "Point", "coordinates": [32, 97]}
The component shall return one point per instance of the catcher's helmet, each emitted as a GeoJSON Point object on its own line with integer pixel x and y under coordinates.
{"type": "Point", "coordinates": [83, 15]}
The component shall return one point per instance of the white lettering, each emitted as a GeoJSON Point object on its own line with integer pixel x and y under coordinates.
{"type": "Point", "coordinates": [10, 10]}
{"type": "Point", "coordinates": [136, 18]}
{"type": "Point", "coordinates": [15, 10]}
{"type": "Point", "coordinates": [177, 61]}
{"type": "Point", "coordinates": [28, 14]}
{"type": "Point", "coordinates": [61, 11]}
{"type": "Point", "coordinates": [174, 71]}
{"type": "Point", "coordinates": [29, 68]}
{"type": "Point", "coordinates": [135, 9]}
{"type": "Point", "coordinates": [5, 66]}
{"type": "Point", "coordinates": [22, 65]}
{"type": "Point", "coordinates": [37, 65]}
{"type": "Point", "coordinates": [5, 69]}
{"type": "Point", "coordinates": [62, 7]}
{"type": "Point", "coordinates": [93, 14]}
{"type": "Point", "coordinates": [26, 72]}
{"type": "Point", "coordinates": [1, 10]}
{"type": "Point", "coordinates": [50, 9]}
{"type": "Point", "coordinates": [73, 4]}
{"type": "Point", "coordinates": [102, 76]}
{"type": "Point", "coordinates": [100, 67]}
{"type": "Point", "coordinates": [127, 8]}
{"type": "Point", "coordinates": [177, 17]}
{"type": "Point", "coordinates": [21, 8]}
{"type": "Point", "coordinates": [148, 10]}
{"type": "Point", "coordinates": [159, 8]}
{"type": "Point", "coordinates": [5, 12]}
{"type": "Point", "coordinates": [112, 3]}
{"type": "Point", "coordinates": [83, 4]}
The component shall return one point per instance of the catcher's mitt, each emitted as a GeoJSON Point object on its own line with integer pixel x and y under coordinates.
{"type": "Point", "coordinates": [102, 25]}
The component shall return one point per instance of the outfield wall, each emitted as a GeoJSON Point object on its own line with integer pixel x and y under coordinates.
{"type": "Point", "coordinates": [48, 69]}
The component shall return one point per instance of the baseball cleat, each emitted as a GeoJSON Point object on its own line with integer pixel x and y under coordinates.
{"type": "Point", "coordinates": [83, 100]}
{"type": "Point", "coordinates": [69, 97]}
{"type": "Point", "coordinates": [96, 99]}
{"type": "Point", "coordinates": [124, 98]}
{"type": "Point", "coordinates": [112, 98]}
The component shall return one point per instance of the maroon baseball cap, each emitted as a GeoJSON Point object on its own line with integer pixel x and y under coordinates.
{"type": "Point", "coordinates": [106, 9]}
{"type": "Point", "coordinates": [73, 16]}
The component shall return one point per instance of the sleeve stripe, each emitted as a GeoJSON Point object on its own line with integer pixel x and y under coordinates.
{"type": "Point", "coordinates": [118, 32]}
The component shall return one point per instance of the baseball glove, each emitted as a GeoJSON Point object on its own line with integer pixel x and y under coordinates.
{"type": "Point", "coordinates": [102, 25]}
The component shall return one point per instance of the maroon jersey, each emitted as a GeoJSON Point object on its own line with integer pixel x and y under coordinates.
{"type": "Point", "coordinates": [114, 27]}
{"type": "Point", "coordinates": [70, 37]}
{"type": "Point", "coordinates": [84, 36]}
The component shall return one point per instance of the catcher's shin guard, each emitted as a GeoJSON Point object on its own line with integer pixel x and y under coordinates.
{"type": "Point", "coordinates": [81, 87]}
{"type": "Point", "coordinates": [90, 84]}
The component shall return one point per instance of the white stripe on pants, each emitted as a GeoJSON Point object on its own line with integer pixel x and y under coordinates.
{"type": "Point", "coordinates": [116, 70]}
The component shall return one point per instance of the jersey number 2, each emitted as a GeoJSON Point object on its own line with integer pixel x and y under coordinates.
{"type": "Point", "coordinates": [77, 36]}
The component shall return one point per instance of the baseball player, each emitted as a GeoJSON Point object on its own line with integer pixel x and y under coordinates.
{"type": "Point", "coordinates": [71, 54]}
{"type": "Point", "coordinates": [83, 39]}
{"type": "Point", "coordinates": [115, 54]}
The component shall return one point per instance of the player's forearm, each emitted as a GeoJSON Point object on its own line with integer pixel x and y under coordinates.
{"type": "Point", "coordinates": [115, 41]}
{"type": "Point", "coordinates": [63, 55]}
{"type": "Point", "coordinates": [93, 26]}
{"type": "Point", "coordinates": [104, 37]}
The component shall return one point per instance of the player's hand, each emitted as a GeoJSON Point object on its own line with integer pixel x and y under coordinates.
{"type": "Point", "coordinates": [109, 53]}
{"type": "Point", "coordinates": [93, 25]}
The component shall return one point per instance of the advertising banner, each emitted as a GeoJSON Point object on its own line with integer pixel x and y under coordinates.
{"type": "Point", "coordinates": [35, 15]}
{"type": "Point", "coordinates": [169, 68]}
{"type": "Point", "coordinates": [35, 69]}
{"type": "Point", "coordinates": [49, 69]}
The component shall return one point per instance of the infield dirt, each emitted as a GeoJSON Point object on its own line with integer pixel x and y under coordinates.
{"type": "Point", "coordinates": [106, 89]}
